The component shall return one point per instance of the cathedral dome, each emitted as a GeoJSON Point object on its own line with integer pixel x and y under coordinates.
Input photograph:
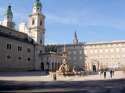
{"type": "Point", "coordinates": [37, 4]}
{"type": "Point", "coordinates": [9, 12]}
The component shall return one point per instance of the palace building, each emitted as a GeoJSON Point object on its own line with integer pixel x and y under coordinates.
{"type": "Point", "coordinates": [95, 56]}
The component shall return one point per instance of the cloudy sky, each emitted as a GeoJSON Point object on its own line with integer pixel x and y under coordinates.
{"type": "Point", "coordinates": [93, 20]}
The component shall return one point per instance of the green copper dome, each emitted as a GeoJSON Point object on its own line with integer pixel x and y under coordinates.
{"type": "Point", "coordinates": [9, 11]}
{"type": "Point", "coordinates": [37, 4]}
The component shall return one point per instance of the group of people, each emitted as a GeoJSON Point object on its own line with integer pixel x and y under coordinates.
{"type": "Point", "coordinates": [104, 73]}
{"type": "Point", "coordinates": [101, 72]}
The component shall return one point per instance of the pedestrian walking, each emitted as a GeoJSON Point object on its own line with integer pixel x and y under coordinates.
{"type": "Point", "coordinates": [99, 73]}
{"type": "Point", "coordinates": [54, 77]}
{"type": "Point", "coordinates": [104, 74]}
{"type": "Point", "coordinates": [111, 73]}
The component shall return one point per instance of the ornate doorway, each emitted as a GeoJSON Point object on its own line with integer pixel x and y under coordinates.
{"type": "Point", "coordinates": [94, 68]}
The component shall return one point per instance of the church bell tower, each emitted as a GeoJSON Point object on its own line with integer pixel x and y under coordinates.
{"type": "Point", "coordinates": [75, 40]}
{"type": "Point", "coordinates": [37, 23]}
{"type": "Point", "coordinates": [8, 18]}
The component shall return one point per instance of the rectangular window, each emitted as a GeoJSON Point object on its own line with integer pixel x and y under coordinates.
{"type": "Point", "coordinates": [41, 41]}
{"type": "Point", "coordinates": [80, 52]}
{"type": "Point", "coordinates": [28, 59]}
{"type": "Point", "coordinates": [28, 50]}
{"type": "Point", "coordinates": [8, 46]}
{"type": "Point", "coordinates": [74, 52]}
{"type": "Point", "coordinates": [40, 51]}
{"type": "Point", "coordinates": [19, 58]}
{"type": "Point", "coordinates": [74, 58]}
{"type": "Point", "coordinates": [81, 57]}
{"type": "Point", "coordinates": [19, 48]}
{"type": "Point", "coordinates": [8, 57]}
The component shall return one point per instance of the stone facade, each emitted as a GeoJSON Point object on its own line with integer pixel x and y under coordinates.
{"type": "Point", "coordinates": [16, 51]}
{"type": "Point", "coordinates": [39, 51]}
{"type": "Point", "coordinates": [104, 55]}
{"type": "Point", "coordinates": [51, 61]}
{"type": "Point", "coordinates": [75, 55]}
{"type": "Point", "coordinates": [20, 50]}
{"type": "Point", "coordinates": [96, 56]}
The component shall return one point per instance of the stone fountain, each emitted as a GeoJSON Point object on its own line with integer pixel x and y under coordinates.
{"type": "Point", "coordinates": [65, 68]}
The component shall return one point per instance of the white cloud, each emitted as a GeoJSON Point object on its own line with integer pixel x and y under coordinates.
{"type": "Point", "coordinates": [83, 18]}
{"type": "Point", "coordinates": [51, 18]}
{"type": "Point", "coordinates": [2, 11]}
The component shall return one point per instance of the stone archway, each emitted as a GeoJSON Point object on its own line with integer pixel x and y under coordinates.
{"type": "Point", "coordinates": [52, 66]}
{"type": "Point", "coordinates": [56, 66]}
{"type": "Point", "coordinates": [48, 66]}
{"type": "Point", "coordinates": [94, 68]}
{"type": "Point", "coordinates": [42, 66]}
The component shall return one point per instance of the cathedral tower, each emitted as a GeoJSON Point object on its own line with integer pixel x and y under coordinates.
{"type": "Point", "coordinates": [75, 40]}
{"type": "Point", "coordinates": [8, 18]}
{"type": "Point", "coordinates": [36, 23]}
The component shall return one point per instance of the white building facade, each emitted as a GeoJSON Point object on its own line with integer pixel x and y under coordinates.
{"type": "Point", "coordinates": [96, 56]}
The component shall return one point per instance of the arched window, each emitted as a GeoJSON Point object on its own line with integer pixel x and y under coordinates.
{"type": "Point", "coordinates": [52, 66]}
{"type": "Point", "coordinates": [47, 66]}
{"type": "Point", "coordinates": [42, 66]}
{"type": "Point", "coordinates": [37, 9]}
{"type": "Point", "coordinates": [58, 65]}
{"type": "Point", "coordinates": [94, 68]}
{"type": "Point", "coordinates": [41, 41]}
{"type": "Point", "coordinates": [33, 22]}
{"type": "Point", "coordinates": [41, 22]}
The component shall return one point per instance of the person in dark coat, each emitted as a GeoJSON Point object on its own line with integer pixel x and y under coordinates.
{"type": "Point", "coordinates": [111, 73]}
{"type": "Point", "coordinates": [104, 74]}
{"type": "Point", "coordinates": [54, 77]}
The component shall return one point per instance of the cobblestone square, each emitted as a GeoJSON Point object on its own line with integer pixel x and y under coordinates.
{"type": "Point", "coordinates": [33, 81]}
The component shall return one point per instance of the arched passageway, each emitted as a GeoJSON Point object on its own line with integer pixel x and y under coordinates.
{"type": "Point", "coordinates": [94, 68]}
{"type": "Point", "coordinates": [48, 66]}
{"type": "Point", "coordinates": [42, 66]}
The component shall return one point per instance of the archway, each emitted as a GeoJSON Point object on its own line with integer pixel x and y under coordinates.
{"type": "Point", "coordinates": [42, 66]}
{"type": "Point", "coordinates": [47, 66]}
{"type": "Point", "coordinates": [94, 68]}
{"type": "Point", "coordinates": [55, 67]}
{"type": "Point", "coordinates": [52, 66]}
{"type": "Point", "coordinates": [58, 65]}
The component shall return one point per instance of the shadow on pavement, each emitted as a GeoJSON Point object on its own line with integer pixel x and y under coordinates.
{"type": "Point", "coordinates": [101, 86]}
{"type": "Point", "coordinates": [31, 73]}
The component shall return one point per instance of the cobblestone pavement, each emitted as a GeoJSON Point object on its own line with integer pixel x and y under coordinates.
{"type": "Point", "coordinates": [37, 76]}
{"type": "Point", "coordinates": [76, 84]}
